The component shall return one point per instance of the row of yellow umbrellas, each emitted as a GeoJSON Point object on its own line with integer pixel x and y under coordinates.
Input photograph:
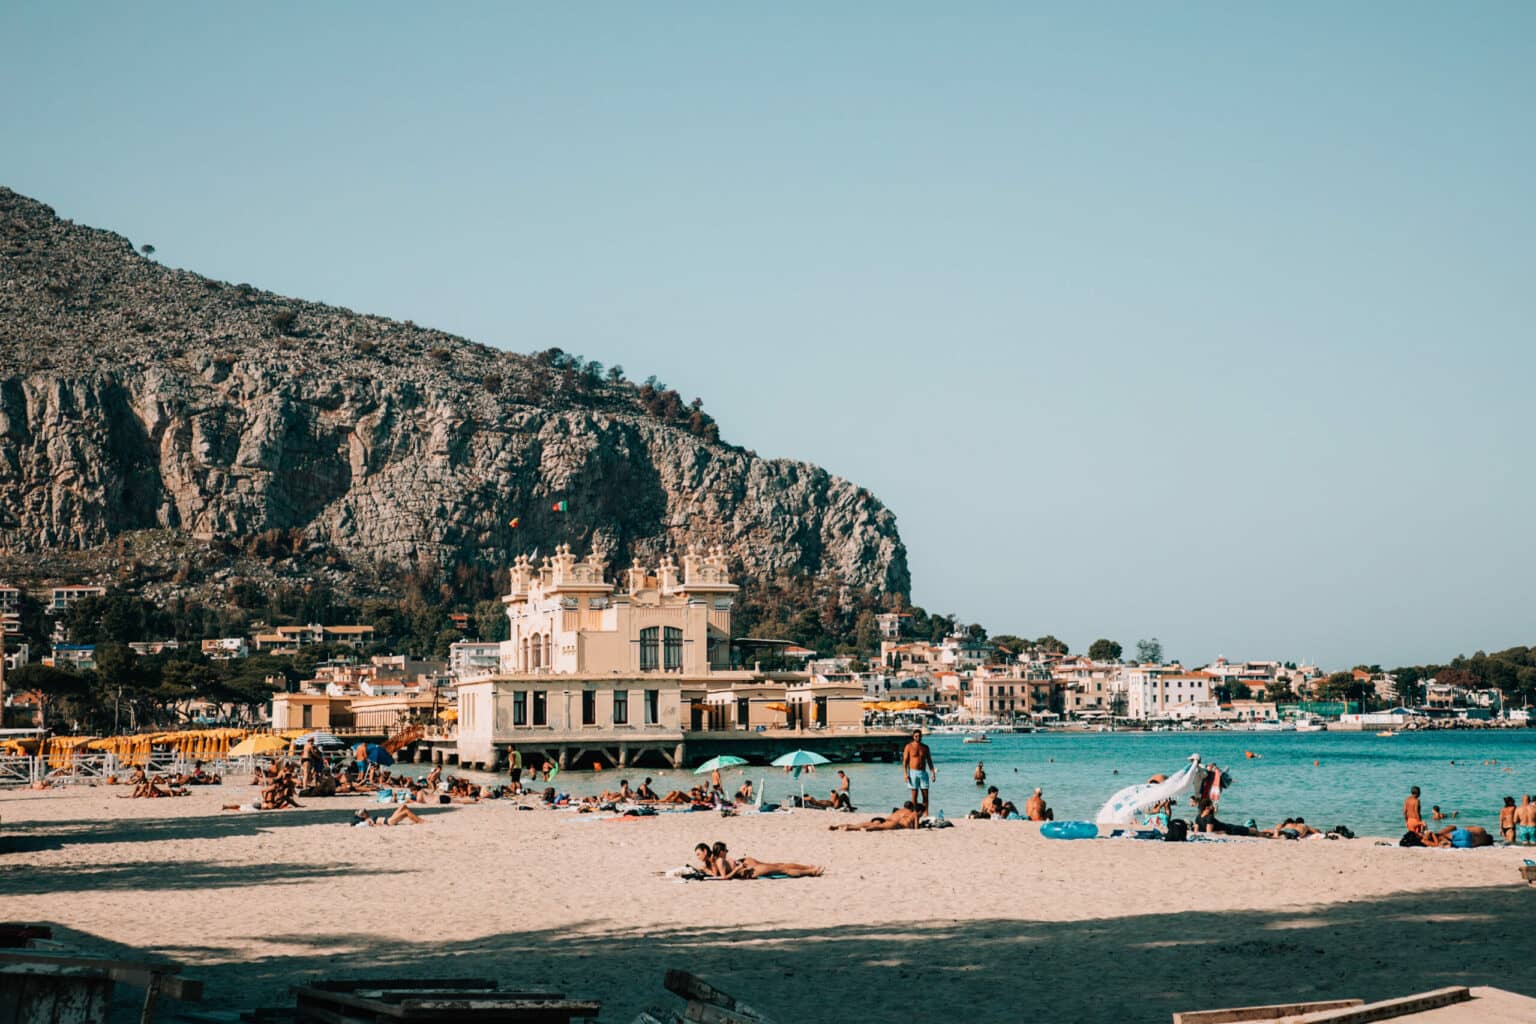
{"type": "Point", "coordinates": [893, 705]}
{"type": "Point", "coordinates": [196, 744]}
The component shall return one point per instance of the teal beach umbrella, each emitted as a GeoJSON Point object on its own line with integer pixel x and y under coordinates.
{"type": "Point", "coordinates": [723, 761]}
{"type": "Point", "coordinates": [798, 759]}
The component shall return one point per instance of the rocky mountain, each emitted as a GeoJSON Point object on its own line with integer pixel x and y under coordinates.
{"type": "Point", "coordinates": [137, 400]}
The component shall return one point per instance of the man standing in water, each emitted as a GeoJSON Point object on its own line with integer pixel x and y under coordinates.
{"type": "Point", "coordinates": [917, 765]}
{"type": "Point", "coordinates": [1412, 817]}
{"type": "Point", "coordinates": [1525, 822]}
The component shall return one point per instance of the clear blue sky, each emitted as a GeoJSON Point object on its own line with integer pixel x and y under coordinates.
{"type": "Point", "coordinates": [1205, 321]}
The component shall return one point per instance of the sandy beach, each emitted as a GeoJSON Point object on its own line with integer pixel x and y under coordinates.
{"type": "Point", "coordinates": [976, 920]}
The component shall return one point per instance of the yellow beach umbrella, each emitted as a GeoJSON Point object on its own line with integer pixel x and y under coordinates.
{"type": "Point", "coordinates": [254, 745]}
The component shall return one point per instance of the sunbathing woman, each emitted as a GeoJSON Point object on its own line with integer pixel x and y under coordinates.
{"type": "Point", "coordinates": [1206, 821]}
{"type": "Point", "coordinates": [748, 868]}
{"type": "Point", "coordinates": [720, 862]}
{"type": "Point", "coordinates": [1462, 837]}
{"type": "Point", "coordinates": [402, 813]}
{"type": "Point", "coordinates": [904, 816]}
{"type": "Point", "coordinates": [645, 793]}
{"type": "Point", "coordinates": [621, 796]}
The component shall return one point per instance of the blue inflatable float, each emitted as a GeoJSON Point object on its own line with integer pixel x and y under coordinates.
{"type": "Point", "coordinates": [1069, 830]}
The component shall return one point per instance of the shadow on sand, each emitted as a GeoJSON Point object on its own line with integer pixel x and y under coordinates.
{"type": "Point", "coordinates": [1139, 967]}
{"type": "Point", "coordinates": [29, 837]}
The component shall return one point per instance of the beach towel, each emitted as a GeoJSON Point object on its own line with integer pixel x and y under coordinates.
{"type": "Point", "coordinates": [1126, 806]}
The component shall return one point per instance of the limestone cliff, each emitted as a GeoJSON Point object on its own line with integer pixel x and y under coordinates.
{"type": "Point", "coordinates": [135, 397]}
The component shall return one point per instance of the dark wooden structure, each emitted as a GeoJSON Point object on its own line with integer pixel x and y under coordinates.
{"type": "Point", "coordinates": [472, 1000]}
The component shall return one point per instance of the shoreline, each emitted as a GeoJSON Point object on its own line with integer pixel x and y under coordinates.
{"type": "Point", "coordinates": [902, 922]}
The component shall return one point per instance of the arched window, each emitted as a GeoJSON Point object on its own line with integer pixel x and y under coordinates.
{"type": "Point", "coordinates": [523, 665]}
{"type": "Point", "coordinates": [536, 649]}
{"type": "Point", "coordinates": [649, 642]}
{"type": "Point", "coordinates": [549, 650]}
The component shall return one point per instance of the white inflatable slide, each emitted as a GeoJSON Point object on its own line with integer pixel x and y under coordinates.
{"type": "Point", "coordinates": [1126, 807]}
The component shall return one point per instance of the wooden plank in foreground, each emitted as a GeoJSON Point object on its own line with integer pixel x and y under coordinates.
{"type": "Point", "coordinates": [162, 976]}
{"type": "Point", "coordinates": [1391, 1009]}
{"type": "Point", "coordinates": [1274, 1012]}
{"type": "Point", "coordinates": [708, 1004]}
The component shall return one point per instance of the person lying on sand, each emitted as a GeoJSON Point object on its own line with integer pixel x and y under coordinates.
{"type": "Point", "coordinates": [837, 800]}
{"type": "Point", "coordinates": [1297, 827]}
{"type": "Point", "coordinates": [1206, 821]}
{"type": "Point", "coordinates": [645, 793]}
{"type": "Point", "coordinates": [1462, 837]}
{"type": "Point", "coordinates": [720, 861]}
{"type": "Point", "coordinates": [622, 796]}
{"type": "Point", "coordinates": [901, 817]}
{"type": "Point", "coordinates": [403, 813]}
{"type": "Point", "coordinates": [749, 867]}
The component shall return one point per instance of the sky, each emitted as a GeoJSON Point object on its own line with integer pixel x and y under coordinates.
{"type": "Point", "coordinates": [1208, 322]}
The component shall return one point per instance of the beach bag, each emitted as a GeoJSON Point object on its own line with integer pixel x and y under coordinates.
{"type": "Point", "coordinates": [1178, 831]}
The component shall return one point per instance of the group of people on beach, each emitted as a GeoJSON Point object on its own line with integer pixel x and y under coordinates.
{"type": "Point", "coordinates": [279, 785]}
{"type": "Point", "coordinates": [178, 784]}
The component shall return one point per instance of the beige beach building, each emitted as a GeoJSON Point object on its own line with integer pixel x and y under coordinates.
{"type": "Point", "coordinates": [618, 673]}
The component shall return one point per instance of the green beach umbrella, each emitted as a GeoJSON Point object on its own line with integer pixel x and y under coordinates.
{"type": "Point", "coordinates": [722, 761]}
{"type": "Point", "coordinates": [798, 759]}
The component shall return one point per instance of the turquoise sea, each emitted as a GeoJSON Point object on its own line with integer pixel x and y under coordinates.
{"type": "Point", "coordinates": [1329, 778]}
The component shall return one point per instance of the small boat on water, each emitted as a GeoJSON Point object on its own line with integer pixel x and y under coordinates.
{"type": "Point", "coordinates": [1387, 732]}
{"type": "Point", "coordinates": [979, 737]}
{"type": "Point", "coordinates": [1311, 723]}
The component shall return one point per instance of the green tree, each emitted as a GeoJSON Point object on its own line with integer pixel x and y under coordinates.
{"type": "Point", "coordinates": [1104, 650]}
{"type": "Point", "coordinates": [51, 685]}
{"type": "Point", "coordinates": [1051, 644]}
{"type": "Point", "coordinates": [1149, 651]}
{"type": "Point", "coordinates": [119, 679]}
{"type": "Point", "coordinates": [491, 625]}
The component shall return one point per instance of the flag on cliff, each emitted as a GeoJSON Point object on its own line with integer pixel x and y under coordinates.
{"type": "Point", "coordinates": [560, 506]}
{"type": "Point", "coordinates": [515, 521]}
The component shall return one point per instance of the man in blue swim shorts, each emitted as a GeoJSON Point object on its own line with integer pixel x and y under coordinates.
{"type": "Point", "coordinates": [1525, 822]}
{"type": "Point", "coordinates": [917, 765]}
